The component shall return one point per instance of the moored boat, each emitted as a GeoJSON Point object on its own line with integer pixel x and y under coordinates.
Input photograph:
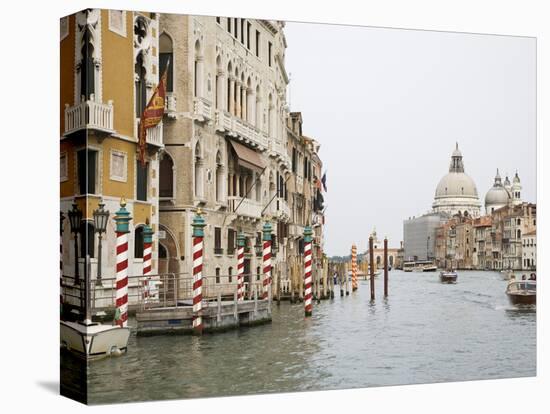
{"type": "Point", "coordinates": [448, 276]}
{"type": "Point", "coordinates": [93, 340]}
{"type": "Point", "coordinates": [429, 268]}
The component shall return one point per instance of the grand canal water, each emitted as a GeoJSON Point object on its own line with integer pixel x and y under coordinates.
{"type": "Point", "coordinates": [424, 332]}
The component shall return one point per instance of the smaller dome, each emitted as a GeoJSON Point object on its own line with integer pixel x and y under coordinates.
{"type": "Point", "coordinates": [516, 178]}
{"type": "Point", "coordinates": [506, 181]}
{"type": "Point", "coordinates": [497, 196]}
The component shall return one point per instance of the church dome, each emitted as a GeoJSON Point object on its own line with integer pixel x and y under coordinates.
{"type": "Point", "coordinates": [497, 196]}
{"type": "Point", "coordinates": [456, 191]}
{"type": "Point", "coordinates": [456, 184]}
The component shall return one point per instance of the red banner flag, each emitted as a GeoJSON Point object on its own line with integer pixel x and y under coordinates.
{"type": "Point", "coordinates": [152, 114]}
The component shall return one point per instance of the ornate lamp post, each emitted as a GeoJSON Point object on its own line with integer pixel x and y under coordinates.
{"type": "Point", "coordinates": [101, 216]}
{"type": "Point", "coordinates": [75, 216]}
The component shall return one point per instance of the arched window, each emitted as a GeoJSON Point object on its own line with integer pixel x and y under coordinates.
{"type": "Point", "coordinates": [217, 275]}
{"type": "Point", "coordinates": [166, 178]}
{"type": "Point", "coordinates": [270, 111]}
{"type": "Point", "coordinates": [378, 260]}
{"type": "Point", "coordinates": [163, 253]}
{"type": "Point", "coordinates": [258, 109]}
{"type": "Point", "coordinates": [199, 185]}
{"type": "Point", "coordinates": [138, 242]}
{"type": "Point", "coordinates": [218, 94]}
{"type": "Point", "coordinates": [258, 273]}
{"type": "Point", "coordinates": [140, 89]}
{"type": "Point", "coordinates": [87, 239]}
{"type": "Point", "coordinates": [87, 68]}
{"type": "Point", "coordinates": [220, 179]}
{"type": "Point", "coordinates": [198, 70]}
{"type": "Point", "coordinates": [229, 91]}
{"type": "Point", "coordinates": [166, 59]}
{"type": "Point", "coordinates": [519, 234]}
{"type": "Point", "coordinates": [229, 274]}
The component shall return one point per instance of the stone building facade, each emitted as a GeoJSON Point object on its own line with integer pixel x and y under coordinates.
{"type": "Point", "coordinates": [226, 132]}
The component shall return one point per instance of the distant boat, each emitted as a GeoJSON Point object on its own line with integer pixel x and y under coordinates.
{"type": "Point", "coordinates": [408, 266]}
{"type": "Point", "coordinates": [448, 276]}
{"type": "Point", "coordinates": [522, 292]}
{"type": "Point", "coordinates": [429, 268]}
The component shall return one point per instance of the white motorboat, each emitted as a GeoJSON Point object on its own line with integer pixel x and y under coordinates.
{"type": "Point", "coordinates": [522, 292]}
{"type": "Point", "coordinates": [448, 276]}
{"type": "Point", "coordinates": [94, 340]}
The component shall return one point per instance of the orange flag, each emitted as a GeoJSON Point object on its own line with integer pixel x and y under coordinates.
{"type": "Point", "coordinates": [152, 114]}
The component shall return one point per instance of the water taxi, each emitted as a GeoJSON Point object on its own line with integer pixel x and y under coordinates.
{"type": "Point", "coordinates": [522, 292]}
{"type": "Point", "coordinates": [448, 276]}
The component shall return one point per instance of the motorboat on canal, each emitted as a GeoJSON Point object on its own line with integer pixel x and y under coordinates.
{"type": "Point", "coordinates": [92, 340]}
{"type": "Point", "coordinates": [448, 276]}
{"type": "Point", "coordinates": [522, 292]}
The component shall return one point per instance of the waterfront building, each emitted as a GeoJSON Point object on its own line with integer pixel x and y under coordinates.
{"type": "Point", "coordinates": [226, 133]}
{"type": "Point", "coordinates": [529, 249]}
{"type": "Point", "coordinates": [483, 246]}
{"type": "Point", "coordinates": [456, 191]}
{"type": "Point", "coordinates": [109, 70]}
{"type": "Point", "coordinates": [419, 236]}
{"type": "Point", "coordinates": [378, 252]}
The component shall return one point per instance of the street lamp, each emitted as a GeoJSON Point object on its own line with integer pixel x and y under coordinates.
{"type": "Point", "coordinates": [75, 216]}
{"type": "Point", "coordinates": [101, 216]}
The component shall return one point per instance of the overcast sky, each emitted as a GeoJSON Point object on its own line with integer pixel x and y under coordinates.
{"type": "Point", "coordinates": [388, 105]}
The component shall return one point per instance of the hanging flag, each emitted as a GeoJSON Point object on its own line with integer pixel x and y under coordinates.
{"type": "Point", "coordinates": [324, 181]}
{"type": "Point", "coordinates": [152, 114]}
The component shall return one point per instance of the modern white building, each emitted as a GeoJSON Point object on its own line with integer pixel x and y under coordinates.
{"type": "Point", "coordinates": [456, 192]}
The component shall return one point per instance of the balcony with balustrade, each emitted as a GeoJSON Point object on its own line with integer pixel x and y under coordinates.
{"type": "Point", "coordinates": [89, 114]}
{"type": "Point", "coordinates": [202, 109]}
{"type": "Point", "coordinates": [241, 130]}
{"type": "Point", "coordinates": [245, 207]}
{"type": "Point", "coordinates": [283, 210]}
{"type": "Point", "coordinates": [153, 136]}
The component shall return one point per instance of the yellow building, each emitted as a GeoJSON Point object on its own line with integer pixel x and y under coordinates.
{"type": "Point", "coordinates": [109, 69]}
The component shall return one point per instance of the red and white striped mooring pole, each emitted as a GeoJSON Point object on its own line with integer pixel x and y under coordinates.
{"type": "Point", "coordinates": [266, 259]}
{"type": "Point", "coordinates": [198, 246]}
{"type": "Point", "coordinates": [122, 219]}
{"type": "Point", "coordinates": [147, 255]}
{"type": "Point", "coordinates": [308, 308]}
{"type": "Point", "coordinates": [240, 266]}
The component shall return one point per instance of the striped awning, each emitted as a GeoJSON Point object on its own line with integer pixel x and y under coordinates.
{"type": "Point", "coordinates": [247, 157]}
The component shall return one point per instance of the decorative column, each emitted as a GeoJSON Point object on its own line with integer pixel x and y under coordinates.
{"type": "Point", "coordinates": [198, 238]}
{"type": "Point", "coordinates": [307, 270]}
{"type": "Point", "coordinates": [122, 219]}
{"type": "Point", "coordinates": [354, 268]}
{"type": "Point", "coordinates": [147, 255]}
{"type": "Point", "coordinates": [240, 267]}
{"type": "Point", "coordinates": [266, 259]}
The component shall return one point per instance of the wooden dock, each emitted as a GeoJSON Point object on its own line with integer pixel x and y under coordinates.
{"type": "Point", "coordinates": [217, 315]}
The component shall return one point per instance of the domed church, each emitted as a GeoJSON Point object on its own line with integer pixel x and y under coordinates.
{"type": "Point", "coordinates": [500, 195]}
{"type": "Point", "coordinates": [456, 192]}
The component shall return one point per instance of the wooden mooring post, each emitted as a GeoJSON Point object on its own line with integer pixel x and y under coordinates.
{"type": "Point", "coordinates": [371, 265]}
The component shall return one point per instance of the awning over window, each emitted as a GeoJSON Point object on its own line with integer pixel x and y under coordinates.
{"type": "Point", "coordinates": [247, 157]}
